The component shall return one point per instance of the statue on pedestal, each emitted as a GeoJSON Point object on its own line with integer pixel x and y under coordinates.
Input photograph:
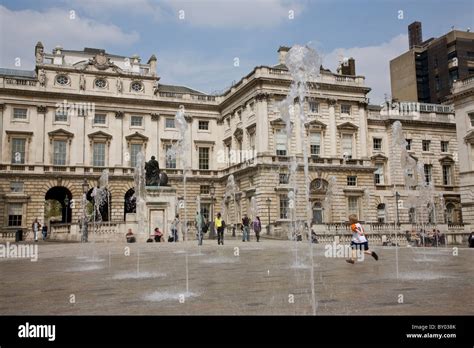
{"type": "Point", "coordinates": [152, 169]}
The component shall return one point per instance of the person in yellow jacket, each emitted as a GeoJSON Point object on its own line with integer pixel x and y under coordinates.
{"type": "Point", "coordinates": [219, 225]}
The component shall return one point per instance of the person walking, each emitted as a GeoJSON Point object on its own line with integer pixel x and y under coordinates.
{"type": "Point", "coordinates": [45, 232]}
{"type": "Point", "coordinates": [174, 228]}
{"type": "Point", "coordinates": [246, 229]}
{"type": "Point", "coordinates": [35, 226]}
{"type": "Point", "coordinates": [257, 227]}
{"type": "Point", "coordinates": [199, 225]}
{"type": "Point", "coordinates": [219, 226]}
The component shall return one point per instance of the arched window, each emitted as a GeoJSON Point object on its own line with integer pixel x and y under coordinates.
{"type": "Point", "coordinates": [450, 213]}
{"type": "Point", "coordinates": [381, 213]}
{"type": "Point", "coordinates": [317, 213]}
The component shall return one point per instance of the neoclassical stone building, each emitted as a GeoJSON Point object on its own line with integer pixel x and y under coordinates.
{"type": "Point", "coordinates": [80, 112]}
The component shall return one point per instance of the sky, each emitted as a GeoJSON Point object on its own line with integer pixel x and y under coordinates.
{"type": "Point", "coordinates": [197, 42]}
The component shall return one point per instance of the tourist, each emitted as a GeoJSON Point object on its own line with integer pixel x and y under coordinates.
{"type": "Point", "coordinates": [245, 228]}
{"type": "Point", "coordinates": [45, 232]}
{"type": "Point", "coordinates": [199, 226]}
{"type": "Point", "coordinates": [130, 237]}
{"type": "Point", "coordinates": [358, 239]}
{"type": "Point", "coordinates": [471, 240]}
{"type": "Point", "coordinates": [219, 225]}
{"type": "Point", "coordinates": [174, 228]}
{"type": "Point", "coordinates": [158, 235]}
{"type": "Point", "coordinates": [35, 226]}
{"type": "Point", "coordinates": [257, 227]}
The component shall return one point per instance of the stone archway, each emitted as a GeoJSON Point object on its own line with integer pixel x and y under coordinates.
{"type": "Point", "coordinates": [58, 202]}
{"type": "Point", "coordinates": [130, 204]}
{"type": "Point", "coordinates": [103, 213]}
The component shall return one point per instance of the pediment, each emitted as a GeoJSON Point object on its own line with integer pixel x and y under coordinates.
{"type": "Point", "coordinates": [99, 135]}
{"type": "Point", "coordinates": [469, 138]}
{"type": "Point", "coordinates": [279, 122]}
{"type": "Point", "coordinates": [348, 126]}
{"type": "Point", "coordinates": [136, 136]}
{"type": "Point", "coordinates": [316, 124]}
{"type": "Point", "coordinates": [60, 133]}
{"type": "Point", "coordinates": [379, 157]}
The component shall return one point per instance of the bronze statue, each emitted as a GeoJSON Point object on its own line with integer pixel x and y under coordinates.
{"type": "Point", "coordinates": [152, 169]}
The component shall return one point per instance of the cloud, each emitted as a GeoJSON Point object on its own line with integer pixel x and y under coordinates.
{"type": "Point", "coordinates": [20, 30]}
{"type": "Point", "coordinates": [373, 62]}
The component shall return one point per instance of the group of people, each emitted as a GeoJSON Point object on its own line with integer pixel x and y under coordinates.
{"type": "Point", "coordinates": [35, 227]}
{"type": "Point", "coordinates": [425, 238]}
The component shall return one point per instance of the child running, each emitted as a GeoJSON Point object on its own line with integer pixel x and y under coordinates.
{"type": "Point", "coordinates": [359, 240]}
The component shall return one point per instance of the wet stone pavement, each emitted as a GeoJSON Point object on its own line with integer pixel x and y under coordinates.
{"type": "Point", "coordinates": [270, 277]}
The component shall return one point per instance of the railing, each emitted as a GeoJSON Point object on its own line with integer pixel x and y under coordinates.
{"type": "Point", "coordinates": [20, 82]}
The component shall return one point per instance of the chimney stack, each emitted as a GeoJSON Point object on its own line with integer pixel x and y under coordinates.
{"type": "Point", "coordinates": [347, 67]}
{"type": "Point", "coordinates": [415, 37]}
{"type": "Point", "coordinates": [282, 52]}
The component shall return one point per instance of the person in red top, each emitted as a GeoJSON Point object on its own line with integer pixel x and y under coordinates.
{"type": "Point", "coordinates": [359, 240]}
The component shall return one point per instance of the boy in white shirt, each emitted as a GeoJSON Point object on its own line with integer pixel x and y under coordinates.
{"type": "Point", "coordinates": [359, 240]}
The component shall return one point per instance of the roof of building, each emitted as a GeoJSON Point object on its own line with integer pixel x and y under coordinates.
{"type": "Point", "coordinates": [94, 51]}
{"type": "Point", "coordinates": [18, 73]}
{"type": "Point", "coordinates": [374, 107]}
{"type": "Point", "coordinates": [178, 89]}
{"type": "Point", "coordinates": [284, 67]}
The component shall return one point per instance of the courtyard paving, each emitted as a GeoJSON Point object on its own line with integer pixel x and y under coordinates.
{"type": "Point", "coordinates": [271, 277]}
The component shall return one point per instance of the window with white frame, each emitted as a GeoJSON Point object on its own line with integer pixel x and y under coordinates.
{"type": "Point", "coordinates": [170, 157]}
{"type": "Point", "coordinates": [98, 156]}
{"type": "Point", "coordinates": [136, 121]}
{"type": "Point", "coordinates": [135, 149]}
{"type": "Point", "coordinates": [381, 213]}
{"type": "Point", "coordinates": [352, 180]}
{"type": "Point", "coordinates": [313, 107]}
{"type": "Point", "coordinates": [61, 115]}
{"type": "Point", "coordinates": [18, 150]}
{"type": "Point", "coordinates": [252, 141]}
{"type": "Point", "coordinates": [20, 113]}
{"type": "Point", "coordinates": [284, 178]}
{"type": "Point", "coordinates": [15, 214]}
{"type": "Point", "coordinates": [347, 145]}
{"type": "Point", "coordinates": [471, 118]}
{"type": "Point", "coordinates": [16, 186]}
{"type": "Point", "coordinates": [204, 189]}
{"type": "Point", "coordinates": [353, 205]}
{"type": "Point", "coordinates": [169, 122]}
{"type": "Point", "coordinates": [281, 142]}
{"type": "Point", "coordinates": [315, 144]}
{"type": "Point", "coordinates": [59, 152]}
{"type": "Point", "coordinates": [444, 146]}
{"type": "Point", "coordinates": [378, 174]}
{"type": "Point", "coordinates": [427, 171]}
{"type": "Point", "coordinates": [346, 109]}
{"type": "Point", "coordinates": [100, 118]}
{"type": "Point", "coordinates": [284, 206]}
{"type": "Point", "coordinates": [426, 145]}
{"type": "Point", "coordinates": [377, 144]}
{"type": "Point", "coordinates": [447, 175]}
{"type": "Point", "coordinates": [204, 158]}
{"type": "Point", "coordinates": [203, 125]}
{"type": "Point", "coordinates": [408, 146]}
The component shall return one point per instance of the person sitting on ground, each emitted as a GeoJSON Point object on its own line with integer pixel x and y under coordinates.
{"type": "Point", "coordinates": [130, 237]}
{"type": "Point", "coordinates": [158, 235]}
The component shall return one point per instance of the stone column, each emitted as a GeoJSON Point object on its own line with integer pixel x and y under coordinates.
{"type": "Point", "coordinates": [332, 127]}
{"type": "Point", "coordinates": [39, 141]}
{"type": "Point", "coordinates": [119, 116]}
{"type": "Point", "coordinates": [363, 128]}
{"type": "Point", "coordinates": [155, 117]}
{"type": "Point", "coordinates": [2, 107]}
{"type": "Point", "coordinates": [263, 124]}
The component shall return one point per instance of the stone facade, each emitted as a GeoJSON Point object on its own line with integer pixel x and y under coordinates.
{"type": "Point", "coordinates": [47, 154]}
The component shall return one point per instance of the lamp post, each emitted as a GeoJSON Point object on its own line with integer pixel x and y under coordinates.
{"type": "Point", "coordinates": [269, 201]}
{"type": "Point", "coordinates": [212, 191]}
{"type": "Point", "coordinates": [66, 203]}
{"type": "Point", "coordinates": [85, 188]}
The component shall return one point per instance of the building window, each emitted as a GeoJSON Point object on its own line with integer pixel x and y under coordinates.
{"type": "Point", "coordinates": [427, 170]}
{"type": "Point", "coordinates": [313, 107]}
{"type": "Point", "coordinates": [471, 118]}
{"type": "Point", "coordinates": [281, 142]}
{"type": "Point", "coordinates": [16, 186]}
{"type": "Point", "coordinates": [378, 174]}
{"type": "Point", "coordinates": [437, 84]}
{"type": "Point", "coordinates": [450, 213]}
{"type": "Point", "coordinates": [169, 123]}
{"type": "Point", "coordinates": [315, 146]}
{"type": "Point", "coordinates": [447, 175]}
{"type": "Point", "coordinates": [352, 180]}
{"type": "Point", "coordinates": [170, 157]}
{"type": "Point", "coordinates": [18, 150]}
{"type": "Point", "coordinates": [136, 121]}
{"type": "Point", "coordinates": [251, 180]}
{"type": "Point", "coordinates": [205, 209]}
{"type": "Point", "coordinates": [204, 189]}
{"type": "Point", "coordinates": [204, 158]}
{"type": "Point", "coordinates": [252, 142]}
{"type": "Point", "coordinates": [135, 149]}
{"type": "Point", "coordinates": [100, 118]}
{"type": "Point", "coordinates": [20, 113]}
{"type": "Point", "coordinates": [59, 152]}
{"type": "Point", "coordinates": [381, 213]}
{"type": "Point", "coordinates": [284, 178]}
{"type": "Point", "coordinates": [426, 145]}
{"type": "Point", "coordinates": [15, 212]}
{"type": "Point", "coordinates": [377, 144]}
{"type": "Point", "coordinates": [347, 145]}
{"type": "Point", "coordinates": [353, 205]}
{"type": "Point", "coordinates": [62, 80]}
{"type": "Point", "coordinates": [203, 125]}
{"type": "Point", "coordinates": [412, 215]}
{"type": "Point", "coordinates": [346, 109]}
{"type": "Point", "coordinates": [284, 206]}
{"type": "Point", "coordinates": [136, 86]}
{"type": "Point", "coordinates": [100, 83]}
{"type": "Point", "coordinates": [98, 159]}
{"type": "Point", "coordinates": [61, 115]}
{"type": "Point", "coordinates": [408, 146]}
{"type": "Point", "coordinates": [444, 146]}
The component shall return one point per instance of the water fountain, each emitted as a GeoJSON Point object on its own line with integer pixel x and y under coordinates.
{"type": "Point", "coordinates": [139, 177]}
